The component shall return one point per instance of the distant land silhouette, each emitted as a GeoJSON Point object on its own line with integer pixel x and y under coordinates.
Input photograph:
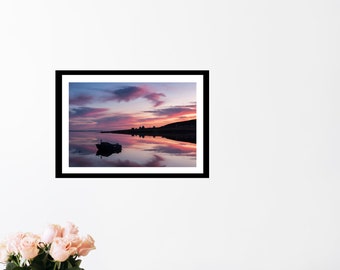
{"type": "Point", "coordinates": [179, 131]}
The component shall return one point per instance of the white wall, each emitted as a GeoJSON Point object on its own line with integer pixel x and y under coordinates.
{"type": "Point", "coordinates": [272, 201]}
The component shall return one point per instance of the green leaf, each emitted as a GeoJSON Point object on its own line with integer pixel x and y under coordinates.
{"type": "Point", "coordinates": [69, 265]}
{"type": "Point", "coordinates": [74, 268]}
{"type": "Point", "coordinates": [77, 263]}
{"type": "Point", "coordinates": [36, 266]}
{"type": "Point", "coordinates": [11, 266]}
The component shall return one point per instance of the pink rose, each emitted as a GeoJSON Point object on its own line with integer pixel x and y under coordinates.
{"type": "Point", "coordinates": [13, 242]}
{"type": "Point", "coordinates": [70, 228]}
{"type": "Point", "coordinates": [3, 252]}
{"type": "Point", "coordinates": [28, 247]}
{"type": "Point", "coordinates": [61, 249]}
{"type": "Point", "coordinates": [74, 239]}
{"type": "Point", "coordinates": [86, 246]}
{"type": "Point", "coordinates": [51, 231]}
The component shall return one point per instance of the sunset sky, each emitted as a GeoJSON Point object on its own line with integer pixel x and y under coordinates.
{"type": "Point", "coordinates": [114, 106]}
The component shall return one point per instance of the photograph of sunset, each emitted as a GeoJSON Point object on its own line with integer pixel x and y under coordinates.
{"type": "Point", "coordinates": [132, 124]}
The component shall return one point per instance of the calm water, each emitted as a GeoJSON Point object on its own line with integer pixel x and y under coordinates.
{"type": "Point", "coordinates": [136, 151]}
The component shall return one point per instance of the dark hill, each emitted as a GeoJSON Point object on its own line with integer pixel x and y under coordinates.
{"type": "Point", "coordinates": [178, 125]}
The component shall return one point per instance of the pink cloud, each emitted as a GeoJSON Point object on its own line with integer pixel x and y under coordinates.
{"type": "Point", "coordinates": [175, 111]}
{"type": "Point", "coordinates": [155, 98]}
{"type": "Point", "coordinates": [81, 100]}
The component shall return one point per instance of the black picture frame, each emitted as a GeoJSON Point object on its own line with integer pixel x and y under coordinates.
{"type": "Point", "coordinates": [68, 80]}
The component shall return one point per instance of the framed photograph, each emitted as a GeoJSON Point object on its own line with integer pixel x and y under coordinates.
{"type": "Point", "coordinates": [132, 123]}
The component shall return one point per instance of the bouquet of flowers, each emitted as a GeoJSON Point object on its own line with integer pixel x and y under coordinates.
{"type": "Point", "coordinates": [57, 248]}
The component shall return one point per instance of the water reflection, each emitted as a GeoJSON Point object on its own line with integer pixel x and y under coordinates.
{"type": "Point", "coordinates": [189, 137]}
{"type": "Point", "coordinates": [135, 151]}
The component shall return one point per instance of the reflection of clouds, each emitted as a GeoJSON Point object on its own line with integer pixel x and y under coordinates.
{"type": "Point", "coordinates": [155, 161]}
{"type": "Point", "coordinates": [164, 145]}
{"type": "Point", "coordinates": [123, 139]}
{"type": "Point", "coordinates": [80, 162]}
{"type": "Point", "coordinates": [171, 149]}
{"type": "Point", "coordinates": [81, 149]}
{"type": "Point", "coordinates": [159, 144]}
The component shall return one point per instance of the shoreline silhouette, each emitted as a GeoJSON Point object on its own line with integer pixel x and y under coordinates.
{"type": "Point", "coordinates": [179, 131]}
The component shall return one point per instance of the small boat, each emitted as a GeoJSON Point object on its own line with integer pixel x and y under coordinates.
{"type": "Point", "coordinates": [108, 146]}
{"type": "Point", "coordinates": [106, 149]}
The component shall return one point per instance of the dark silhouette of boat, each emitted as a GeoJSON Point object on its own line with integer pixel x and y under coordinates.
{"type": "Point", "coordinates": [107, 149]}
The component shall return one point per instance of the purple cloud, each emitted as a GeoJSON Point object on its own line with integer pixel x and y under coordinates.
{"type": "Point", "coordinates": [155, 98]}
{"type": "Point", "coordinates": [86, 112]}
{"type": "Point", "coordinates": [81, 100]}
{"type": "Point", "coordinates": [128, 93]}
{"type": "Point", "coordinates": [133, 92]}
{"type": "Point", "coordinates": [175, 111]}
